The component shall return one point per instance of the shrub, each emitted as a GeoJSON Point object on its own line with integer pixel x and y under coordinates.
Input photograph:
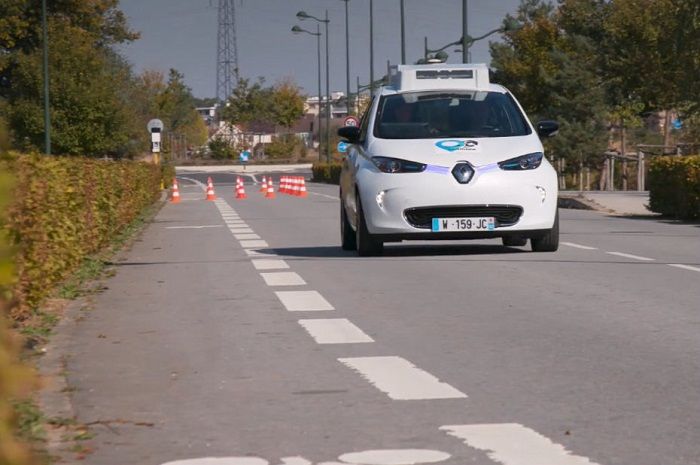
{"type": "Point", "coordinates": [674, 187]}
{"type": "Point", "coordinates": [65, 209]}
{"type": "Point", "coordinates": [325, 172]}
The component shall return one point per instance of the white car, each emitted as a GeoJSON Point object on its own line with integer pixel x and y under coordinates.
{"type": "Point", "coordinates": [442, 153]}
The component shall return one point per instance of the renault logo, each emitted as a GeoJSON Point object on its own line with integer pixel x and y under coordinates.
{"type": "Point", "coordinates": [463, 172]}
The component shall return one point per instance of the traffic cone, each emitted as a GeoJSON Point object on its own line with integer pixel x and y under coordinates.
{"type": "Point", "coordinates": [302, 189]}
{"type": "Point", "coordinates": [210, 190]}
{"type": "Point", "coordinates": [270, 190]}
{"type": "Point", "coordinates": [240, 191]}
{"type": "Point", "coordinates": [295, 186]}
{"type": "Point", "coordinates": [283, 185]}
{"type": "Point", "coordinates": [263, 189]}
{"type": "Point", "coordinates": [175, 193]}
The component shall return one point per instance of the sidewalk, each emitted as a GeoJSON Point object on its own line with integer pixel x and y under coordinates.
{"type": "Point", "coordinates": [615, 202]}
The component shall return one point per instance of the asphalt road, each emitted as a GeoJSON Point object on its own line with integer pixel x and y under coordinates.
{"type": "Point", "coordinates": [210, 343]}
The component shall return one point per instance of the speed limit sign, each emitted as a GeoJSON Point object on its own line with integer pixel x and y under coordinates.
{"type": "Point", "coordinates": [351, 121]}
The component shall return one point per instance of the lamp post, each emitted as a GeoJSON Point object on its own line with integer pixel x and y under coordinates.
{"type": "Point", "coordinates": [347, 57]}
{"type": "Point", "coordinates": [403, 34]}
{"type": "Point", "coordinates": [47, 115]}
{"type": "Point", "coordinates": [302, 15]}
{"type": "Point", "coordinates": [298, 30]}
{"type": "Point", "coordinates": [371, 42]}
{"type": "Point", "coordinates": [465, 34]}
{"type": "Point", "coordinates": [466, 42]}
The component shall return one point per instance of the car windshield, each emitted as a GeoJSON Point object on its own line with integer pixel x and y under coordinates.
{"type": "Point", "coordinates": [433, 115]}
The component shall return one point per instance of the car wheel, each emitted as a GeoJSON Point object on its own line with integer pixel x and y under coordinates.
{"type": "Point", "coordinates": [514, 241]}
{"type": "Point", "coordinates": [347, 235]}
{"type": "Point", "coordinates": [367, 244]}
{"type": "Point", "coordinates": [549, 242]}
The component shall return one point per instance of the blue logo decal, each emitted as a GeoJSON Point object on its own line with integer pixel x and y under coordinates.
{"type": "Point", "coordinates": [450, 145]}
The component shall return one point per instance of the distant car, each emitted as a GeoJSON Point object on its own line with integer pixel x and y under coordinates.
{"type": "Point", "coordinates": [441, 153]}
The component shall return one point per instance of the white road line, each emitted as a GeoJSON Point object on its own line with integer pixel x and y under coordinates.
{"type": "Point", "coordinates": [303, 301]}
{"type": "Point", "coordinates": [579, 246]}
{"type": "Point", "coordinates": [253, 244]}
{"type": "Point", "coordinates": [400, 379]}
{"type": "Point", "coordinates": [195, 227]}
{"type": "Point", "coordinates": [284, 278]}
{"type": "Point", "coordinates": [324, 195]}
{"type": "Point", "coordinates": [684, 267]}
{"type": "Point", "coordinates": [270, 264]}
{"type": "Point", "coordinates": [633, 257]}
{"type": "Point", "coordinates": [514, 444]}
{"type": "Point", "coordinates": [238, 230]}
{"type": "Point", "coordinates": [395, 457]}
{"type": "Point", "coordinates": [246, 237]}
{"type": "Point", "coordinates": [221, 461]}
{"type": "Point", "coordinates": [334, 331]}
{"type": "Point", "coordinates": [240, 223]}
{"type": "Point", "coordinates": [257, 253]}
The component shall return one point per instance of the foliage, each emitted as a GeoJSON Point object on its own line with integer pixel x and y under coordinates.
{"type": "Point", "coordinates": [91, 201]}
{"type": "Point", "coordinates": [287, 104]}
{"type": "Point", "coordinates": [284, 146]}
{"type": "Point", "coordinates": [324, 172]}
{"type": "Point", "coordinates": [15, 380]}
{"type": "Point", "coordinates": [674, 186]}
{"type": "Point", "coordinates": [222, 149]}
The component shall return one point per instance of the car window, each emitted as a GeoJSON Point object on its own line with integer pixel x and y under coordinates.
{"type": "Point", "coordinates": [432, 115]}
{"type": "Point", "coordinates": [364, 121]}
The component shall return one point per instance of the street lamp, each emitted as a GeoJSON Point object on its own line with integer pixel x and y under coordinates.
{"type": "Point", "coordinates": [298, 30]}
{"type": "Point", "coordinates": [403, 34]}
{"type": "Point", "coordinates": [302, 15]}
{"type": "Point", "coordinates": [45, 65]}
{"type": "Point", "coordinates": [347, 57]}
{"type": "Point", "coordinates": [466, 42]}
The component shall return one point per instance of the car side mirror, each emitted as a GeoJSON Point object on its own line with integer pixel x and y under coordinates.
{"type": "Point", "coordinates": [350, 133]}
{"type": "Point", "coordinates": [547, 128]}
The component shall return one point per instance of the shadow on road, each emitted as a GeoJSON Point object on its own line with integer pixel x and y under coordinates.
{"type": "Point", "coordinates": [397, 251]}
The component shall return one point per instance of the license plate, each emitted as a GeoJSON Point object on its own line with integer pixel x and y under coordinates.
{"type": "Point", "coordinates": [464, 224]}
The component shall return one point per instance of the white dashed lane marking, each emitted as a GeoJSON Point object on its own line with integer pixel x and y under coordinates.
{"type": "Point", "coordinates": [400, 379]}
{"type": "Point", "coordinates": [195, 227]}
{"type": "Point", "coordinates": [270, 264]}
{"type": "Point", "coordinates": [633, 257]}
{"type": "Point", "coordinates": [253, 244]}
{"type": "Point", "coordinates": [684, 267]}
{"type": "Point", "coordinates": [579, 246]}
{"type": "Point", "coordinates": [285, 278]}
{"type": "Point", "coordinates": [334, 331]}
{"type": "Point", "coordinates": [514, 444]}
{"type": "Point", "coordinates": [246, 237]}
{"type": "Point", "coordinates": [303, 301]}
{"type": "Point", "coordinates": [240, 230]}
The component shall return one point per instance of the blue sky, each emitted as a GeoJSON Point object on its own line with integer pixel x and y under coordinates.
{"type": "Point", "coordinates": [182, 34]}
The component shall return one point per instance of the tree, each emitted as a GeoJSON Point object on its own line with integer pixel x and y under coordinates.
{"type": "Point", "coordinates": [287, 104]}
{"type": "Point", "coordinates": [248, 103]}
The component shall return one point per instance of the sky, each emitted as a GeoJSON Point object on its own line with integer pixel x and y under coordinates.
{"type": "Point", "coordinates": [182, 34]}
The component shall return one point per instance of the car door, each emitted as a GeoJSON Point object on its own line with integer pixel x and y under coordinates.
{"type": "Point", "coordinates": [351, 163]}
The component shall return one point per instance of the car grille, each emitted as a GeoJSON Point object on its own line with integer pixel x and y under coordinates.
{"type": "Point", "coordinates": [422, 217]}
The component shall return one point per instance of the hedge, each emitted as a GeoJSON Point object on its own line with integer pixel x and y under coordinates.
{"type": "Point", "coordinates": [674, 187]}
{"type": "Point", "coordinates": [65, 209]}
{"type": "Point", "coordinates": [325, 172]}
{"type": "Point", "coordinates": [15, 380]}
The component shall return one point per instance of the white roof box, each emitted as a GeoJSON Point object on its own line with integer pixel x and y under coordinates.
{"type": "Point", "coordinates": [439, 77]}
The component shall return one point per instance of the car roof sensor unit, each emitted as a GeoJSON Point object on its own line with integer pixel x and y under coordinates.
{"type": "Point", "coordinates": [440, 77]}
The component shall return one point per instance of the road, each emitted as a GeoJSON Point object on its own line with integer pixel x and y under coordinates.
{"type": "Point", "coordinates": [210, 343]}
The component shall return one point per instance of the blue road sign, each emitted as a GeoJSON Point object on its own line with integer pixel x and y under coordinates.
{"type": "Point", "coordinates": [342, 146]}
{"type": "Point", "coordinates": [677, 123]}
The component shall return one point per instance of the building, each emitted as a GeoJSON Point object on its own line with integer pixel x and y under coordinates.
{"type": "Point", "coordinates": [339, 108]}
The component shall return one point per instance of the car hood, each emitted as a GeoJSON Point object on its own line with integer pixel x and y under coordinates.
{"type": "Point", "coordinates": [446, 152]}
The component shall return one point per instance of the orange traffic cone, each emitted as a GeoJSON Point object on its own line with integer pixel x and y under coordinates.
{"type": "Point", "coordinates": [210, 190]}
{"type": "Point", "coordinates": [295, 186]}
{"type": "Point", "coordinates": [302, 189]}
{"type": "Point", "coordinates": [263, 189]}
{"type": "Point", "coordinates": [240, 190]}
{"type": "Point", "coordinates": [270, 190]}
{"type": "Point", "coordinates": [283, 185]}
{"type": "Point", "coordinates": [175, 194]}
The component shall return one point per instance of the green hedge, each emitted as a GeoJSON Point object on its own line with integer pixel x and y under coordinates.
{"type": "Point", "coordinates": [65, 209]}
{"type": "Point", "coordinates": [325, 172]}
{"type": "Point", "coordinates": [674, 186]}
{"type": "Point", "coordinates": [15, 379]}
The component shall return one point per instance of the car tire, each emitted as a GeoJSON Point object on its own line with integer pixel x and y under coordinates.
{"type": "Point", "coordinates": [367, 244]}
{"type": "Point", "coordinates": [347, 235]}
{"type": "Point", "coordinates": [514, 241]}
{"type": "Point", "coordinates": [548, 242]}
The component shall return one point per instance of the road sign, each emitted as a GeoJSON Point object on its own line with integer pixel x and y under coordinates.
{"type": "Point", "coordinates": [677, 124]}
{"type": "Point", "coordinates": [244, 156]}
{"type": "Point", "coordinates": [155, 147]}
{"type": "Point", "coordinates": [342, 146]}
{"type": "Point", "coordinates": [155, 124]}
{"type": "Point", "coordinates": [351, 121]}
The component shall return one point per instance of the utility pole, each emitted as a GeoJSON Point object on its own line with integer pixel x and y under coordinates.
{"type": "Point", "coordinates": [47, 115]}
{"type": "Point", "coordinates": [465, 32]}
{"type": "Point", "coordinates": [371, 46]}
{"type": "Point", "coordinates": [403, 34]}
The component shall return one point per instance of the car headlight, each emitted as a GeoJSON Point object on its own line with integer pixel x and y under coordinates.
{"type": "Point", "coordinates": [524, 162]}
{"type": "Point", "coordinates": [396, 165]}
